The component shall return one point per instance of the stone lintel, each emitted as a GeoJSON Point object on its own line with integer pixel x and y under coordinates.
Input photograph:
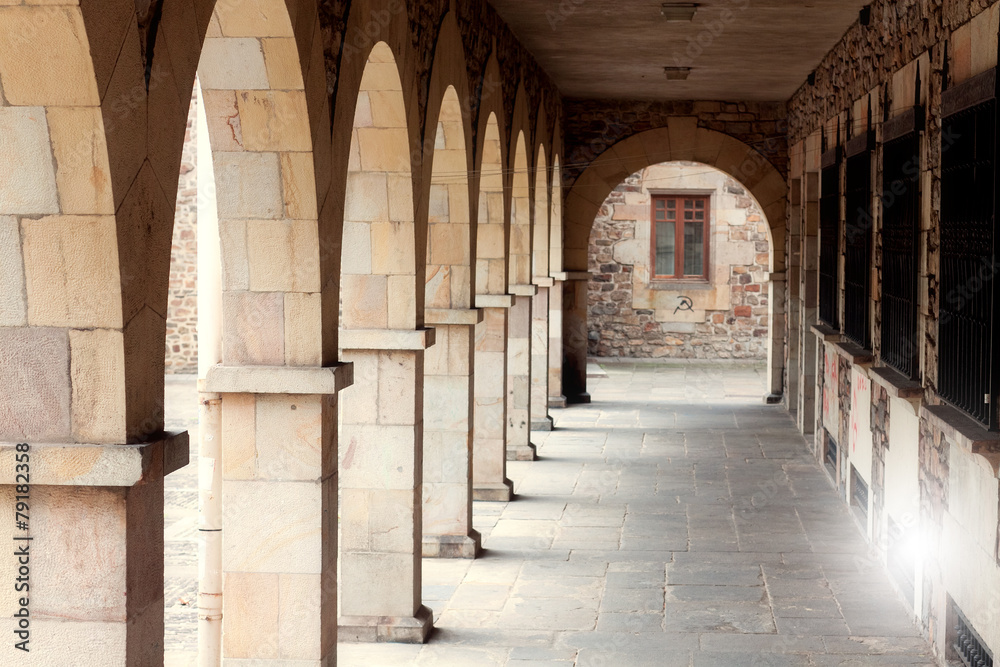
{"type": "Point", "coordinates": [966, 432]}
{"type": "Point", "coordinates": [564, 276]}
{"type": "Point", "coordinates": [386, 339]}
{"type": "Point", "coordinates": [279, 379]}
{"type": "Point", "coordinates": [523, 290]}
{"type": "Point", "coordinates": [494, 300]}
{"type": "Point", "coordinates": [854, 353]}
{"type": "Point", "coordinates": [895, 383]}
{"type": "Point", "coordinates": [825, 333]}
{"type": "Point", "coordinates": [371, 629]}
{"type": "Point", "coordinates": [89, 464]}
{"type": "Point", "coordinates": [454, 316]}
{"type": "Point", "coordinates": [544, 281]}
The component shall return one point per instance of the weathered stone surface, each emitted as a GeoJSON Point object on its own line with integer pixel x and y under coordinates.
{"type": "Point", "coordinates": [34, 369]}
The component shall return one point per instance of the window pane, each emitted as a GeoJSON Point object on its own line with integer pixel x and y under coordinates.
{"type": "Point", "coordinates": [659, 203]}
{"type": "Point", "coordinates": [665, 248]}
{"type": "Point", "coordinates": [659, 215]}
{"type": "Point", "coordinates": [700, 203]}
{"type": "Point", "coordinates": [671, 203]}
{"type": "Point", "coordinates": [694, 248]}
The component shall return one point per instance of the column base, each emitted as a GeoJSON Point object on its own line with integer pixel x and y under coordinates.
{"type": "Point", "coordinates": [453, 546]}
{"type": "Point", "coordinates": [578, 399]}
{"type": "Point", "coordinates": [544, 425]}
{"type": "Point", "coordinates": [401, 629]}
{"type": "Point", "coordinates": [772, 399]}
{"type": "Point", "coordinates": [557, 401]}
{"type": "Point", "coordinates": [494, 492]}
{"type": "Point", "coordinates": [522, 453]}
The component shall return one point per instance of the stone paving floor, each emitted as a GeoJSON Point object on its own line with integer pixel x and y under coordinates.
{"type": "Point", "coordinates": [675, 521]}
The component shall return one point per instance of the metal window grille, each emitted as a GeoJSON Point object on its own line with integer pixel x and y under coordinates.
{"type": "Point", "coordinates": [858, 247]}
{"type": "Point", "coordinates": [966, 373]}
{"type": "Point", "coordinates": [967, 644]}
{"type": "Point", "coordinates": [900, 216]}
{"type": "Point", "coordinates": [829, 236]}
{"type": "Point", "coordinates": [859, 492]}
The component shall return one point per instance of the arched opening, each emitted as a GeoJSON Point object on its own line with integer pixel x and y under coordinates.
{"type": "Point", "coordinates": [267, 429]}
{"type": "Point", "coordinates": [448, 378]}
{"type": "Point", "coordinates": [519, 445]}
{"type": "Point", "coordinates": [490, 412]}
{"type": "Point", "coordinates": [540, 420]}
{"type": "Point", "coordinates": [679, 254]}
{"type": "Point", "coordinates": [680, 141]}
{"type": "Point", "coordinates": [381, 418]}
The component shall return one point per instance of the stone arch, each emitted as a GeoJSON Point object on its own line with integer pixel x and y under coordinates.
{"type": "Point", "coordinates": [382, 334]}
{"type": "Point", "coordinates": [262, 83]}
{"type": "Point", "coordinates": [490, 389]}
{"type": "Point", "coordinates": [682, 140]}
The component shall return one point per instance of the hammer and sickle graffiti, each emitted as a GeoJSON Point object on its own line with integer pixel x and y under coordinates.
{"type": "Point", "coordinates": [685, 304]}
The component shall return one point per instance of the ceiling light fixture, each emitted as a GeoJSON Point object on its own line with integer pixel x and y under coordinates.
{"type": "Point", "coordinates": [677, 73]}
{"type": "Point", "coordinates": [679, 11]}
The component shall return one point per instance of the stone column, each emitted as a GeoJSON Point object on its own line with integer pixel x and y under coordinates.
{"type": "Point", "coordinates": [381, 469]}
{"type": "Point", "coordinates": [279, 511]}
{"type": "Point", "coordinates": [776, 348]}
{"type": "Point", "coordinates": [575, 336]}
{"type": "Point", "coordinates": [448, 415]}
{"type": "Point", "coordinates": [519, 447]}
{"type": "Point", "coordinates": [489, 454]}
{"type": "Point", "coordinates": [95, 550]}
{"type": "Point", "coordinates": [808, 304]}
{"type": "Point", "coordinates": [556, 397]}
{"type": "Point", "coordinates": [540, 419]}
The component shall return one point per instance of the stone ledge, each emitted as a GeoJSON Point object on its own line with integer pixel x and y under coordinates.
{"type": "Point", "coordinates": [854, 353]}
{"type": "Point", "coordinates": [895, 383]}
{"type": "Point", "coordinates": [386, 339]}
{"type": "Point", "coordinates": [454, 316]}
{"type": "Point", "coordinates": [544, 281]}
{"type": "Point", "coordinates": [966, 432]}
{"type": "Point", "coordinates": [825, 333]}
{"type": "Point", "coordinates": [563, 276]}
{"type": "Point", "coordinates": [89, 464]}
{"type": "Point", "coordinates": [279, 379]}
{"type": "Point", "coordinates": [494, 300]}
{"type": "Point", "coordinates": [523, 290]}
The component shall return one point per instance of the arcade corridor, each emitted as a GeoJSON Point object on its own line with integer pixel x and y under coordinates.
{"type": "Point", "coordinates": [674, 521]}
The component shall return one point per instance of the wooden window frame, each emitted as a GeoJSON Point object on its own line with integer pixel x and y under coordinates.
{"type": "Point", "coordinates": [679, 225]}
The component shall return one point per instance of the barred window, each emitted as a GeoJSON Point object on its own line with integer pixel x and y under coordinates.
{"type": "Point", "coordinates": [900, 229]}
{"type": "Point", "coordinates": [858, 241]}
{"type": "Point", "coordinates": [966, 364]}
{"type": "Point", "coordinates": [829, 237]}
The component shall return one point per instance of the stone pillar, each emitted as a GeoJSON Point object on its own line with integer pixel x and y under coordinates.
{"type": "Point", "coordinates": [556, 397]}
{"type": "Point", "coordinates": [95, 550]}
{"type": "Point", "coordinates": [808, 303]}
{"type": "Point", "coordinates": [575, 336]}
{"type": "Point", "coordinates": [489, 454]}
{"type": "Point", "coordinates": [279, 512]}
{"type": "Point", "coordinates": [448, 414]}
{"type": "Point", "coordinates": [540, 419]}
{"type": "Point", "coordinates": [776, 347]}
{"type": "Point", "coordinates": [381, 468]}
{"type": "Point", "coordinates": [519, 447]}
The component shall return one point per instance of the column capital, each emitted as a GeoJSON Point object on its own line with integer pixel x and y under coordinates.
{"type": "Point", "coordinates": [279, 379]}
{"type": "Point", "coordinates": [386, 339]}
{"type": "Point", "coordinates": [523, 290]}
{"type": "Point", "coordinates": [454, 316]}
{"type": "Point", "coordinates": [494, 301]}
{"type": "Point", "coordinates": [95, 464]}
{"type": "Point", "coordinates": [566, 276]}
